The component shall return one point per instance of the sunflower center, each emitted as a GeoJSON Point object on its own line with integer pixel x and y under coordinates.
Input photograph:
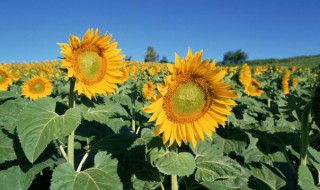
{"type": "Point", "coordinates": [188, 99]}
{"type": "Point", "coordinates": [37, 87]}
{"type": "Point", "coordinates": [90, 65]}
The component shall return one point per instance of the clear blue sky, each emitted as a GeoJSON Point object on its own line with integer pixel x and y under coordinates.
{"type": "Point", "coordinates": [264, 28]}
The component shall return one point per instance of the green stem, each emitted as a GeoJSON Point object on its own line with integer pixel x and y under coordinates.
{"type": "Point", "coordinates": [162, 187]}
{"type": "Point", "coordinates": [72, 97]}
{"type": "Point", "coordinates": [174, 179]}
{"type": "Point", "coordinates": [269, 102]}
{"type": "Point", "coordinates": [304, 141]}
{"type": "Point", "coordinates": [174, 182]}
{"type": "Point", "coordinates": [293, 171]}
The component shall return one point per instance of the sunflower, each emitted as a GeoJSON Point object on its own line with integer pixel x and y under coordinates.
{"type": "Point", "coordinates": [147, 90]}
{"type": "Point", "coordinates": [193, 102]}
{"type": "Point", "coordinates": [16, 74]}
{"type": "Point", "coordinates": [245, 75]}
{"type": "Point", "coordinates": [253, 88]}
{"type": "Point", "coordinates": [285, 82]}
{"type": "Point", "coordinates": [5, 80]}
{"type": "Point", "coordinates": [94, 62]}
{"type": "Point", "coordinates": [36, 87]}
{"type": "Point", "coordinates": [295, 82]}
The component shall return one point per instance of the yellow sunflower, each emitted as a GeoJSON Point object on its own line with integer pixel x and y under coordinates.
{"type": "Point", "coordinates": [295, 82]}
{"type": "Point", "coordinates": [94, 62]}
{"type": "Point", "coordinates": [245, 75]}
{"type": "Point", "coordinates": [253, 88]}
{"type": "Point", "coordinates": [147, 90]}
{"type": "Point", "coordinates": [5, 80]}
{"type": "Point", "coordinates": [193, 103]}
{"type": "Point", "coordinates": [36, 87]}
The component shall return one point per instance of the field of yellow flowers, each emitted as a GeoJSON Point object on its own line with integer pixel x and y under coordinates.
{"type": "Point", "coordinates": [94, 121]}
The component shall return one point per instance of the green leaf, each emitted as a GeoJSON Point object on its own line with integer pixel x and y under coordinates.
{"type": "Point", "coordinates": [216, 171]}
{"type": "Point", "coordinates": [170, 163]}
{"type": "Point", "coordinates": [226, 184]}
{"type": "Point", "coordinates": [314, 158]}
{"type": "Point", "coordinates": [109, 114]}
{"type": "Point", "coordinates": [38, 125]}
{"type": "Point", "coordinates": [181, 164]}
{"type": "Point", "coordinates": [262, 177]}
{"type": "Point", "coordinates": [9, 112]}
{"type": "Point", "coordinates": [9, 94]}
{"type": "Point", "coordinates": [103, 113]}
{"type": "Point", "coordinates": [7, 152]}
{"type": "Point", "coordinates": [305, 180]}
{"type": "Point", "coordinates": [15, 178]}
{"type": "Point", "coordinates": [102, 176]}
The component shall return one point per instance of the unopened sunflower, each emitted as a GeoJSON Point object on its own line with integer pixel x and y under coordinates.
{"type": "Point", "coordinates": [94, 62]}
{"type": "Point", "coordinates": [194, 102]}
{"type": "Point", "coordinates": [36, 87]}
{"type": "Point", "coordinates": [5, 80]}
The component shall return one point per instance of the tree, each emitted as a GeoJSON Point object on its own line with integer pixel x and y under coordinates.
{"type": "Point", "coordinates": [235, 57]}
{"type": "Point", "coordinates": [164, 60]}
{"type": "Point", "coordinates": [128, 58]}
{"type": "Point", "coordinates": [151, 56]}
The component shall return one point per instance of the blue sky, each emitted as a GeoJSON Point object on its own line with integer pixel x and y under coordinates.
{"type": "Point", "coordinates": [264, 29]}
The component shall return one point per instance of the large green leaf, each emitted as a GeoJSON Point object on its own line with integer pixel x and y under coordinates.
{"type": "Point", "coordinates": [216, 169]}
{"type": "Point", "coordinates": [7, 151]}
{"type": "Point", "coordinates": [168, 162]}
{"type": "Point", "coordinates": [39, 124]}
{"type": "Point", "coordinates": [102, 176]}
{"type": "Point", "coordinates": [15, 178]}
{"type": "Point", "coordinates": [263, 177]}
{"type": "Point", "coordinates": [9, 94]}
{"type": "Point", "coordinates": [108, 113]}
{"type": "Point", "coordinates": [305, 180]}
{"type": "Point", "coordinates": [103, 113]}
{"type": "Point", "coordinates": [314, 159]}
{"type": "Point", "coordinates": [9, 112]}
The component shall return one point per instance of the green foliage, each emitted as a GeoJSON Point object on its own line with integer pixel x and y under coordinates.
{"type": "Point", "coordinates": [306, 179]}
{"type": "Point", "coordinates": [102, 176]}
{"type": "Point", "coordinates": [151, 56]}
{"type": "Point", "coordinates": [39, 124]}
{"type": "Point", "coordinates": [258, 148]}
{"type": "Point", "coordinates": [235, 57]}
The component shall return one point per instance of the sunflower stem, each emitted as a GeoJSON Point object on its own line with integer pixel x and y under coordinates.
{"type": "Point", "coordinates": [174, 182]}
{"type": "Point", "coordinates": [174, 179]}
{"type": "Point", "coordinates": [293, 171]}
{"type": "Point", "coordinates": [269, 102]}
{"type": "Point", "coordinates": [72, 98]}
{"type": "Point", "coordinates": [305, 128]}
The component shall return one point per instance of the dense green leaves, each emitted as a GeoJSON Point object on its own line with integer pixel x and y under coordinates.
{"type": "Point", "coordinates": [39, 124]}
{"type": "Point", "coordinates": [102, 176]}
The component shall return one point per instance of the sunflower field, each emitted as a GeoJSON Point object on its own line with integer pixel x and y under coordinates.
{"type": "Point", "coordinates": [92, 121]}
